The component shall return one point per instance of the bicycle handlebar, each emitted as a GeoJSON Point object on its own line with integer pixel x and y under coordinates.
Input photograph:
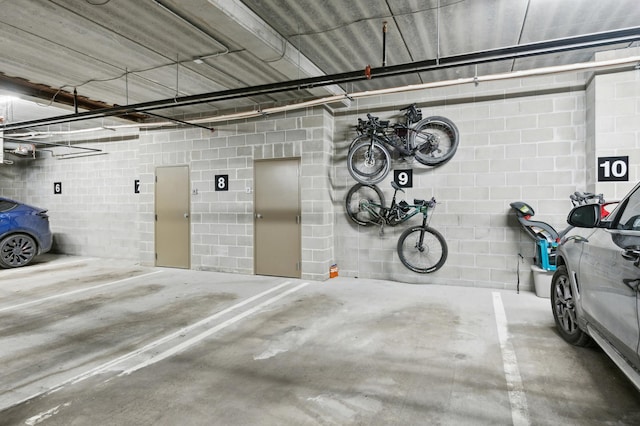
{"type": "Point", "coordinates": [373, 123]}
{"type": "Point", "coordinates": [578, 198]}
{"type": "Point", "coordinates": [430, 203]}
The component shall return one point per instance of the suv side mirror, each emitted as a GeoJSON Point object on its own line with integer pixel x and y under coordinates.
{"type": "Point", "coordinates": [585, 216]}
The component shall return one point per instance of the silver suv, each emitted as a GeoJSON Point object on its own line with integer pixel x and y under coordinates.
{"type": "Point", "coordinates": [595, 292]}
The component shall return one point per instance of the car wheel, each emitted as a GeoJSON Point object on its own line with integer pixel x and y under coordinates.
{"type": "Point", "coordinates": [564, 309]}
{"type": "Point", "coordinates": [17, 250]}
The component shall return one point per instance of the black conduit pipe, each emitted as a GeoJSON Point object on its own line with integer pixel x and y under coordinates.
{"type": "Point", "coordinates": [627, 35]}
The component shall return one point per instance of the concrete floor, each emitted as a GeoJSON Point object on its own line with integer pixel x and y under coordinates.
{"type": "Point", "coordinates": [98, 342]}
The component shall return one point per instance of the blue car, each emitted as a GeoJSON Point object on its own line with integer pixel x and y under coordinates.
{"type": "Point", "coordinates": [24, 233]}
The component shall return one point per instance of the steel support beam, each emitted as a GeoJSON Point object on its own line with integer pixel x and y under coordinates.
{"type": "Point", "coordinates": [41, 91]}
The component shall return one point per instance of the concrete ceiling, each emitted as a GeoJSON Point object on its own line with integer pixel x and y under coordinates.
{"type": "Point", "coordinates": [123, 52]}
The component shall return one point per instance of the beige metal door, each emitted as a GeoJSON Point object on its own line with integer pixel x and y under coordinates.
{"type": "Point", "coordinates": [278, 247]}
{"type": "Point", "coordinates": [172, 217]}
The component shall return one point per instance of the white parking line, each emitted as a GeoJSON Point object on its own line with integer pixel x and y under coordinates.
{"type": "Point", "coordinates": [517, 396]}
{"type": "Point", "coordinates": [33, 268]}
{"type": "Point", "coordinates": [109, 365]}
{"type": "Point", "coordinates": [196, 339]}
{"type": "Point", "coordinates": [70, 293]}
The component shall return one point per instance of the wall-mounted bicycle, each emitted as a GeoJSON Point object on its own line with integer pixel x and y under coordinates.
{"type": "Point", "coordinates": [432, 141]}
{"type": "Point", "coordinates": [420, 248]}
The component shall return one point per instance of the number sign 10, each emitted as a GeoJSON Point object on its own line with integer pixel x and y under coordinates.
{"type": "Point", "coordinates": [613, 169]}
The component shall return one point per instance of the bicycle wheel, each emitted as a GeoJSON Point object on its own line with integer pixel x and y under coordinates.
{"type": "Point", "coordinates": [357, 139]}
{"type": "Point", "coordinates": [362, 201]}
{"type": "Point", "coordinates": [367, 163]}
{"type": "Point", "coordinates": [422, 249]}
{"type": "Point", "coordinates": [435, 139]}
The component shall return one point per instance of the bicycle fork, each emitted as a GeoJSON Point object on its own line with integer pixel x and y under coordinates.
{"type": "Point", "coordinates": [420, 242]}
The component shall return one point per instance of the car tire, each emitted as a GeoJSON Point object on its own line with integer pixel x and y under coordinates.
{"type": "Point", "coordinates": [563, 305]}
{"type": "Point", "coordinates": [17, 250]}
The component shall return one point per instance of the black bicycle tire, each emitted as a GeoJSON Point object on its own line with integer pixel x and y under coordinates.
{"type": "Point", "coordinates": [375, 176]}
{"type": "Point", "coordinates": [444, 124]}
{"type": "Point", "coordinates": [404, 256]}
{"type": "Point", "coordinates": [348, 205]}
{"type": "Point", "coordinates": [356, 140]}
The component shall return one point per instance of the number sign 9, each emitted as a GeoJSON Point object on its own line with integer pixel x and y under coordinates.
{"type": "Point", "coordinates": [222, 182]}
{"type": "Point", "coordinates": [404, 178]}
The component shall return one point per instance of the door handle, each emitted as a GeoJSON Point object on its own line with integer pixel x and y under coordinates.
{"type": "Point", "coordinates": [577, 239]}
{"type": "Point", "coordinates": [186, 215]}
{"type": "Point", "coordinates": [258, 216]}
{"type": "Point", "coordinates": [632, 254]}
{"type": "Point", "coordinates": [631, 283]}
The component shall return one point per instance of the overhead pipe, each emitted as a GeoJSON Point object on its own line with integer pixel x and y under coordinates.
{"type": "Point", "coordinates": [584, 66]}
{"type": "Point", "coordinates": [627, 35]}
{"type": "Point", "coordinates": [17, 144]}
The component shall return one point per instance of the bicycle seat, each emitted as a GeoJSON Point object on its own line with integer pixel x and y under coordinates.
{"type": "Point", "coordinates": [396, 186]}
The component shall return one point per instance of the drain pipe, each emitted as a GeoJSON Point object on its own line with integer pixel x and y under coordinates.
{"type": "Point", "coordinates": [384, 44]}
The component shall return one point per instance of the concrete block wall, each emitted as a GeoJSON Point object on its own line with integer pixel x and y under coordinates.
{"type": "Point", "coordinates": [521, 140]}
{"type": "Point", "coordinates": [12, 180]}
{"type": "Point", "coordinates": [222, 221]}
{"type": "Point", "coordinates": [533, 139]}
{"type": "Point", "coordinates": [97, 212]}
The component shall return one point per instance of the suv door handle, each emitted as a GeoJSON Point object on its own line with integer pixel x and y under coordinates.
{"type": "Point", "coordinates": [631, 283]}
{"type": "Point", "coordinates": [632, 254]}
{"type": "Point", "coordinates": [576, 238]}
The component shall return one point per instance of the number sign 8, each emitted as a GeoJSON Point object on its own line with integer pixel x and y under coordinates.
{"type": "Point", "coordinates": [222, 182]}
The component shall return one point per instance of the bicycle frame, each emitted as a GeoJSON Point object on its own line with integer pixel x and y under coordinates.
{"type": "Point", "coordinates": [381, 132]}
{"type": "Point", "coordinates": [431, 141]}
{"type": "Point", "coordinates": [382, 212]}
{"type": "Point", "coordinates": [397, 213]}
{"type": "Point", "coordinates": [420, 248]}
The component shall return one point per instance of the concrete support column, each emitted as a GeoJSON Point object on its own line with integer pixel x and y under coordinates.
{"type": "Point", "coordinates": [613, 124]}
